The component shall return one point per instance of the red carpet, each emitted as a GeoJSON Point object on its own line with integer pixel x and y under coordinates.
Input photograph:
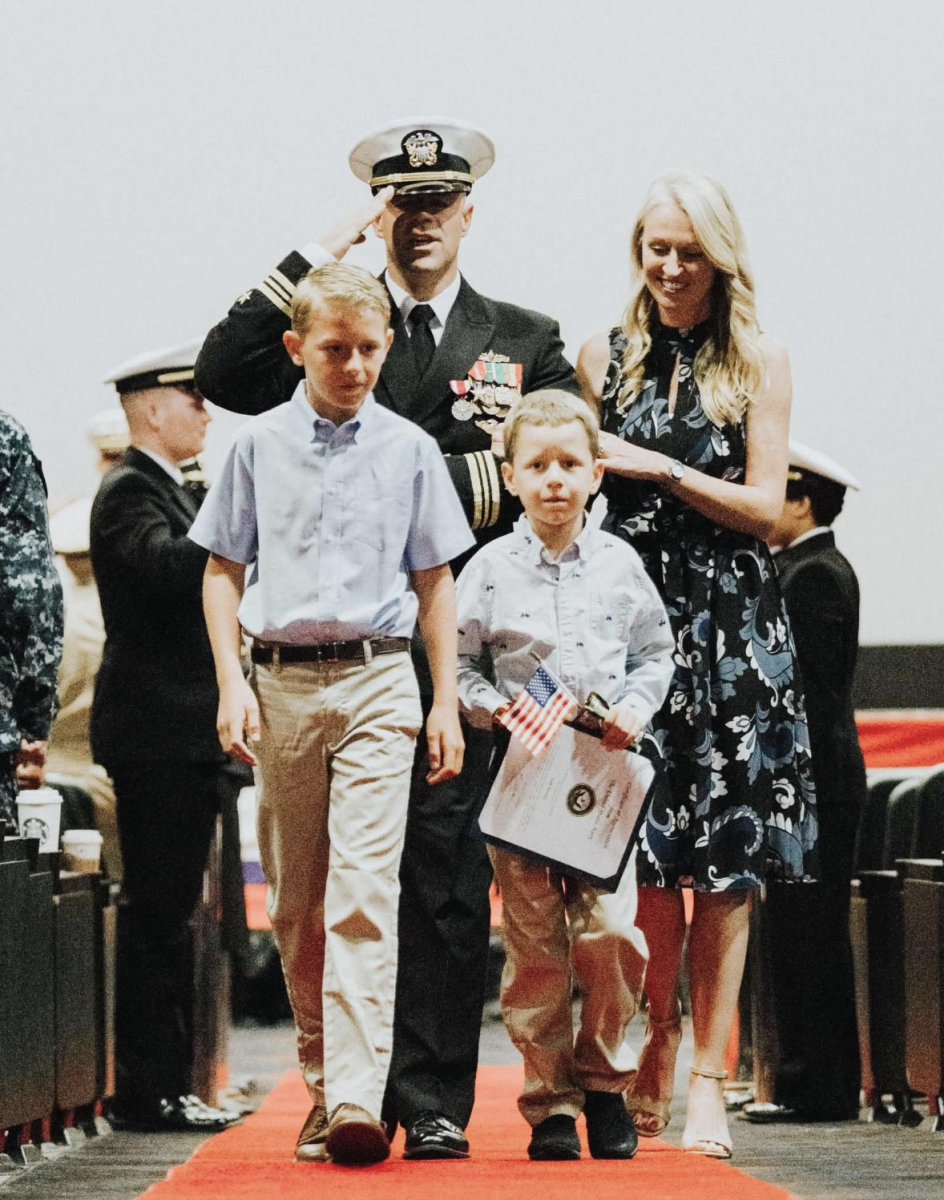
{"type": "Point", "coordinates": [254, 1162]}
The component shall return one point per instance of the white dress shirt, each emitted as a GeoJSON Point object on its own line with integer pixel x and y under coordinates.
{"type": "Point", "coordinates": [593, 616]}
{"type": "Point", "coordinates": [171, 468]}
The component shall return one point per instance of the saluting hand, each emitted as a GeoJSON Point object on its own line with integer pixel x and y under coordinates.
{"type": "Point", "coordinates": [237, 721]}
{"type": "Point", "coordinates": [445, 743]}
{"type": "Point", "coordinates": [351, 231]}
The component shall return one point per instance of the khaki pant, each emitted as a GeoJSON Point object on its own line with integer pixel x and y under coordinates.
{"type": "Point", "coordinates": [335, 759]}
{"type": "Point", "coordinates": [557, 930]}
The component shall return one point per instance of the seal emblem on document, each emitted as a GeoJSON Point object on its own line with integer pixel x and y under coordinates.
{"type": "Point", "coordinates": [581, 799]}
{"type": "Point", "coordinates": [422, 146]}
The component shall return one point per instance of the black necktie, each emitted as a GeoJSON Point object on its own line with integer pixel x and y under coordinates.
{"type": "Point", "coordinates": [421, 338]}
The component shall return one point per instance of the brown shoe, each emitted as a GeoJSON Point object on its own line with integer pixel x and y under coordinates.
{"type": "Point", "coordinates": [354, 1137]}
{"type": "Point", "coordinates": [310, 1146]}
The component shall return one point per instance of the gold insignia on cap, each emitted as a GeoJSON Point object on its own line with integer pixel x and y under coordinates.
{"type": "Point", "coordinates": [422, 145]}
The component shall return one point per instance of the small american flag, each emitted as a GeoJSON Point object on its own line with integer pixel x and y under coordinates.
{"type": "Point", "coordinates": [539, 711]}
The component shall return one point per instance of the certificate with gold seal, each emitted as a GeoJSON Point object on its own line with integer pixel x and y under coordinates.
{"type": "Point", "coordinates": [576, 807]}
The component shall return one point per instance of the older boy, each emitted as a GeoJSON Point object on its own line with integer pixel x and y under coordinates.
{"type": "Point", "coordinates": [346, 512]}
{"type": "Point", "coordinates": [558, 587]}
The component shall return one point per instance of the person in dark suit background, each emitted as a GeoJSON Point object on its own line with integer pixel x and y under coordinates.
{"type": "Point", "coordinates": [153, 728]}
{"type": "Point", "coordinates": [458, 361]}
{"type": "Point", "coordinates": [817, 1052]}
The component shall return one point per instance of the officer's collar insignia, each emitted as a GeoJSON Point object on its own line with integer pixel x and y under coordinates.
{"type": "Point", "coordinates": [423, 147]}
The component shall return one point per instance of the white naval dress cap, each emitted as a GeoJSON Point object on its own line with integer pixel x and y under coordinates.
{"type": "Point", "coordinates": [423, 154]}
{"type": "Point", "coordinates": [69, 527]}
{"type": "Point", "coordinates": [169, 367]}
{"type": "Point", "coordinates": [108, 430]}
{"type": "Point", "coordinates": [814, 462]}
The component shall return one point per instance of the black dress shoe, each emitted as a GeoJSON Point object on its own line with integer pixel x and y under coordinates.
{"type": "Point", "coordinates": [610, 1129]}
{"type": "Point", "coordinates": [554, 1140]}
{"type": "Point", "coordinates": [181, 1114]}
{"type": "Point", "coordinates": [434, 1136]}
{"type": "Point", "coordinates": [779, 1114]}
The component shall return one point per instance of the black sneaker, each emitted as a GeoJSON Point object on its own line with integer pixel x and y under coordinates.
{"type": "Point", "coordinates": [554, 1140]}
{"type": "Point", "coordinates": [610, 1129]}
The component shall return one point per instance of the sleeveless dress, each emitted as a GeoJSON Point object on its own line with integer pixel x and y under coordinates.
{"type": "Point", "coordinates": [736, 803]}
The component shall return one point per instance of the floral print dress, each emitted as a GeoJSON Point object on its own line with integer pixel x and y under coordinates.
{"type": "Point", "coordinates": [737, 803]}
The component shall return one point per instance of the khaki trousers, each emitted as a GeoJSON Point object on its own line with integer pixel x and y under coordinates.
{"type": "Point", "coordinates": [335, 757]}
{"type": "Point", "coordinates": [557, 930]}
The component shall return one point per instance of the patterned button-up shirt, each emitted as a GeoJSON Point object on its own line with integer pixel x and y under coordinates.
{"type": "Point", "coordinates": [592, 615]}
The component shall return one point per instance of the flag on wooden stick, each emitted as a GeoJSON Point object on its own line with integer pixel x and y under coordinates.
{"type": "Point", "coordinates": [539, 711]}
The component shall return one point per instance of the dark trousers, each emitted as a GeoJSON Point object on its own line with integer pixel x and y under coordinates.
{"type": "Point", "coordinates": [813, 988]}
{"type": "Point", "coordinates": [166, 818]}
{"type": "Point", "coordinates": [443, 935]}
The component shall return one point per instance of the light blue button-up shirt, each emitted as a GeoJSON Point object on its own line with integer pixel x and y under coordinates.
{"type": "Point", "coordinates": [332, 519]}
{"type": "Point", "coordinates": [593, 615]}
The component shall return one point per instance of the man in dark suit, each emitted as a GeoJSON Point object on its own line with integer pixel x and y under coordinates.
{"type": "Point", "coordinates": [153, 728]}
{"type": "Point", "coordinates": [457, 362]}
{"type": "Point", "coordinates": [817, 1067]}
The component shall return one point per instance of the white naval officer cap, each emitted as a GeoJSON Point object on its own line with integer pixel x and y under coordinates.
{"type": "Point", "coordinates": [423, 154]}
{"type": "Point", "coordinates": [69, 527]}
{"type": "Point", "coordinates": [804, 460]}
{"type": "Point", "coordinates": [108, 430]}
{"type": "Point", "coordinates": [170, 367]}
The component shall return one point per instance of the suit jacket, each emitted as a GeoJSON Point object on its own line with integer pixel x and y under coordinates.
{"type": "Point", "coordinates": [822, 598]}
{"type": "Point", "coordinates": [155, 695]}
{"type": "Point", "coordinates": [243, 366]}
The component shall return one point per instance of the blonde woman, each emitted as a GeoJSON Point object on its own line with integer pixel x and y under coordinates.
{"type": "Point", "coordinates": [695, 404]}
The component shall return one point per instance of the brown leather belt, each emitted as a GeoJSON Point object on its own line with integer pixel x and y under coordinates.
{"type": "Point", "coordinates": [364, 651]}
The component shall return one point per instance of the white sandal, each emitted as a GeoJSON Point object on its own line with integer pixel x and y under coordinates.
{"type": "Point", "coordinates": [709, 1146]}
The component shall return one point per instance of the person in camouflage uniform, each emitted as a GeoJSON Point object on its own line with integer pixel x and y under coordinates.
{"type": "Point", "coordinates": [31, 615]}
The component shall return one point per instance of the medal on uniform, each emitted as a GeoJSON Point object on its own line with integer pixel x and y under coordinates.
{"type": "Point", "coordinates": [462, 409]}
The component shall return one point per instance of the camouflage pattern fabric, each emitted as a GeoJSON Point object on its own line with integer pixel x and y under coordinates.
{"type": "Point", "coordinates": [31, 615]}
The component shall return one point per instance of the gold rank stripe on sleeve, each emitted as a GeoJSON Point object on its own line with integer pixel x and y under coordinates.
{"type": "Point", "coordinates": [486, 488]}
{"type": "Point", "coordinates": [279, 289]}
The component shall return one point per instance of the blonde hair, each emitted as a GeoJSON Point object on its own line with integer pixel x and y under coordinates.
{"type": "Point", "coordinates": [729, 366]}
{"type": "Point", "coordinates": [341, 286]}
{"type": "Point", "coordinates": [550, 407]}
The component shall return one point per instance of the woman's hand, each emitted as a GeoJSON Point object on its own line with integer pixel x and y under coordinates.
{"type": "Point", "coordinates": [633, 462]}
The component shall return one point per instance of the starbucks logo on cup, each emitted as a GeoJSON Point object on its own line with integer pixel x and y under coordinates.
{"type": "Point", "coordinates": [35, 827]}
{"type": "Point", "coordinates": [581, 799]}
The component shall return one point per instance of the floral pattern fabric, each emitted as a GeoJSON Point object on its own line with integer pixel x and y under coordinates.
{"type": "Point", "coordinates": [737, 803]}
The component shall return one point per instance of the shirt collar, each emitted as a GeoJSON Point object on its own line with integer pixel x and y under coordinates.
{"type": "Point", "coordinates": [325, 430]}
{"type": "Point", "coordinates": [536, 552]}
{"type": "Point", "coordinates": [805, 537]}
{"type": "Point", "coordinates": [171, 468]}
{"type": "Point", "coordinates": [441, 304]}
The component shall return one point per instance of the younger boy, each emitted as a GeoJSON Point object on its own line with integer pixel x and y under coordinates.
{"type": "Point", "coordinates": [348, 517]}
{"type": "Point", "coordinates": [579, 598]}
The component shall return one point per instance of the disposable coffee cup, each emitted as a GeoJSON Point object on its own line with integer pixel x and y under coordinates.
{"type": "Point", "coordinates": [82, 850]}
{"type": "Point", "coordinates": [38, 815]}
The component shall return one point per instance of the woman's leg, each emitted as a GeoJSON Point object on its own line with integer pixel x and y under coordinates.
{"type": "Point", "coordinates": [661, 917]}
{"type": "Point", "coordinates": [717, 946]}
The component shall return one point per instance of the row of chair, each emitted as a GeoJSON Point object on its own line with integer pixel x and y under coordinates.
{"type": "Point", "coordinates": [897, 926]}
{"type": "Point", "coordinates": [57, 986]}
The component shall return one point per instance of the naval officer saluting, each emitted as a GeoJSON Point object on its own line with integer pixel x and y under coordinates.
{"type": "Point", "coordinates": [457, 363]}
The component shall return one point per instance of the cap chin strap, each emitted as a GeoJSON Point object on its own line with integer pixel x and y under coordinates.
{"type": "Point", "coordinates": [382, 181]}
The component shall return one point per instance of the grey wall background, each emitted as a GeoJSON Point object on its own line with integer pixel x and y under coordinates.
{"type": "Point", "coordinates": [158, 158]}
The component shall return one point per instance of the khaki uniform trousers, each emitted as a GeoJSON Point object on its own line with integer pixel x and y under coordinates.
{"type": "Point", "coordinates": [557, 930]}
{"type": "Point", "coordinates": [335, 757]}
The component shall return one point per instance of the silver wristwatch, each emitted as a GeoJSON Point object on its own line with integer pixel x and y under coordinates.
{"type": "Point", "coordinates": [676, 472]}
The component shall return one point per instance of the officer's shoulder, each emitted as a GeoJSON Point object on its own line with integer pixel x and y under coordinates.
{"type": "Point", "coordinates": [14, 440]}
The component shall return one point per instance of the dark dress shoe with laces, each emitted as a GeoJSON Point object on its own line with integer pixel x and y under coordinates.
{"type": "Point", "coordinates": [183, 1114]}
{"type": "Point", "coordinates": [610, 1129]}
{"type": "Point", "coordinates": [434, 1136]}
{"type": "Point", "coordinates": [554, 1140]}
{"type": "Point", "coordinates": [354, 1138]}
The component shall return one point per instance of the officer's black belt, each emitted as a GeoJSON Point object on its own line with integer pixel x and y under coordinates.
{"type": "Point", "coordinates": [362, 651]}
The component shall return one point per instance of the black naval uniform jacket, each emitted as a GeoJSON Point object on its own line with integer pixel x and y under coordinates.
{"type": "Point", "coordinates": [822, 598]}
{"type": "Point", "coordinates": [244, 367]}
{"type": "Point", "coordinates": [155, 695]}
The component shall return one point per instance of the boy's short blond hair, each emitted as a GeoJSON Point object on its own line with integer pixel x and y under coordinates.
{"type": "Point", "coordinates": [550, 407]}
{"type": "Point", "coordinates": [340, 286]}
